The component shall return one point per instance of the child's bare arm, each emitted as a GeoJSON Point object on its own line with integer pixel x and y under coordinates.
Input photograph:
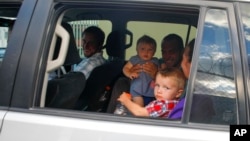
{"type": "Point", "coordinates": [131, 71]}
{"type": "Point", "coordinates": [126, 69]}
{"type": "Point", "coordinates": [134, 108]}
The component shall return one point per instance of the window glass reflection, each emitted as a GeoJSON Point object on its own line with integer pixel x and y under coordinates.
{"type": "Point", "coordinates": [215, 77]}
{"type": "Point", "coordinates": [245, 13]}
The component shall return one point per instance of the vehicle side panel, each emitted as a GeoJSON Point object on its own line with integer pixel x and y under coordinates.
{"type": "Point", "coordinates": [30, 127]}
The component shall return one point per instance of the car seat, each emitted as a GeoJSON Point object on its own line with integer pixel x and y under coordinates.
{"type": "Point", "coordinates": [98, 88]}
{"type": "Point", "coordinates": [64, 90]}
{"type": "Point", "coordinates": [73, 56]}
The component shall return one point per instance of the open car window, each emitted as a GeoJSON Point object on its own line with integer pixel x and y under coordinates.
{"type": "Point", "coordinates": [119, 45]}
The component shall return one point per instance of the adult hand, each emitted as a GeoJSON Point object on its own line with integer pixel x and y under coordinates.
{"type": "Point", "coordinates": [136, 69]}
{"type": "Point", "coordinates": [133, 75]}
{"type": "Point", "coordinates": [150, 68]}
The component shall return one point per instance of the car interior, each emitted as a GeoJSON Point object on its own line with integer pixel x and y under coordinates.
{"type": "Point", "coordinates": [119, 46]}
{"type": "Point", "coordinates": [118, 41]}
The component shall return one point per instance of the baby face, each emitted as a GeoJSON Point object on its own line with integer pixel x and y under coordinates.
{"type": "Point", "coordinates": [145, 51]}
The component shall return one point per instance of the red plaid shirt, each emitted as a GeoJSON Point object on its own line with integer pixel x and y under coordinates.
{"type": "Point", "coordinates": [160, 108]}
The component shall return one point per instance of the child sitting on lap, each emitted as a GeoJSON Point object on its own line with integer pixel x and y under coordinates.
{"type": "Point", "coordinates": [141, 83]}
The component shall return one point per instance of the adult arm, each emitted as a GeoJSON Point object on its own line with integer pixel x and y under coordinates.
{"type": "Point", "coordinates": [176, 113]}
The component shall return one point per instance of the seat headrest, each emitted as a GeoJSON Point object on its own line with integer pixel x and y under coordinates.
{"type": "Point", "coordinates": [114, 44]}
{"type": "Point", "coordinates": [73, 56]}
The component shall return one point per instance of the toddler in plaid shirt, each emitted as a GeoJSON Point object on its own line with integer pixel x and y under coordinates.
{"type": "Point", "coordinates": [169, 85]}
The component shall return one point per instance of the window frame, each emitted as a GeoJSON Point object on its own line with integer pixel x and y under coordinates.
{"type": "Point", "coordinates": [243, 48]}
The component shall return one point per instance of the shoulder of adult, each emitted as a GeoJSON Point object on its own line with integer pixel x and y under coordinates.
{"type": "Point", "coordinates": [176, 113]}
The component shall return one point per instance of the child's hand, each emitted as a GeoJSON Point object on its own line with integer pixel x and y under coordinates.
{"type": "Point", "coordinates": [124, 97]}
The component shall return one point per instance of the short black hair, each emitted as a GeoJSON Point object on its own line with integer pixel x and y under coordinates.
{"type": "Point", "coordinates": [177, 41]}
{"type": "Point", "coordinates": [174, 38]}
{"type": "Point", "coordinates": [97, 32]}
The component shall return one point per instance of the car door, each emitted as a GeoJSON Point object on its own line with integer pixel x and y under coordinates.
{"type": "Point", "coordinates": [29, 119]}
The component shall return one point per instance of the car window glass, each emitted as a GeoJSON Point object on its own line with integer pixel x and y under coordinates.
{"type": "Point", "coordinates": [6, 24]}
{"type": "Point", "coordinates": [245, 13]}
{"type": "Point", "coordinates": [4, 36]}
{"type": "Point", "coordinates": [214, 98]}
{"type": "Point", "coordinates": [8, 15]}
